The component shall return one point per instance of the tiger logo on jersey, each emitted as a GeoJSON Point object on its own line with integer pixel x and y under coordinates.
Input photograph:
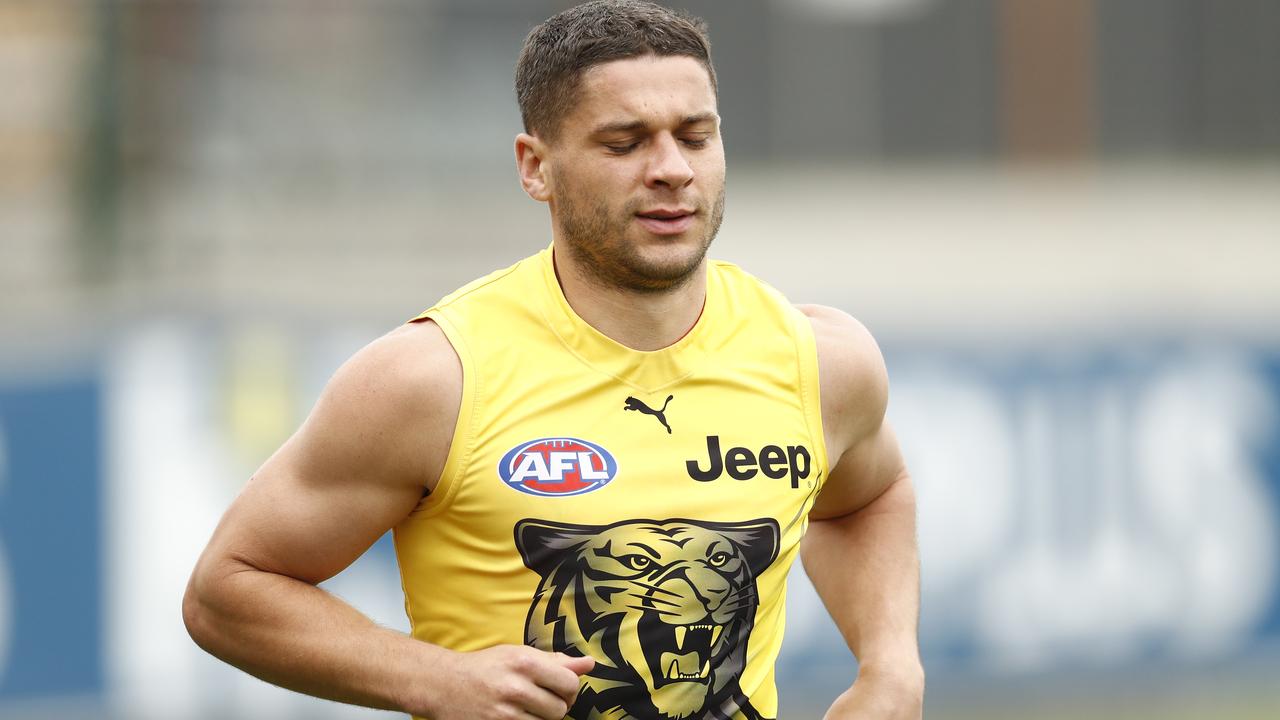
{"type": "Point", "coordinates": [665, 607]}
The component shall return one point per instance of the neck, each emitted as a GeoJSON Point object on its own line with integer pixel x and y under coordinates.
{"type": "Point", "coordinates": [643, 321]}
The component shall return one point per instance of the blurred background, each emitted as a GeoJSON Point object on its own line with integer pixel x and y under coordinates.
{"type": "Point", "coordinates": [1061, 218]}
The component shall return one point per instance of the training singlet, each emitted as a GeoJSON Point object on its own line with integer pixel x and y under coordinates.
{"type": "Point", "coordinates": [639, 507]}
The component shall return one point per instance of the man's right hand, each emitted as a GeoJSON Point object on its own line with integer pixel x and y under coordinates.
{"type": "Point", "coordinates": [508, 682]}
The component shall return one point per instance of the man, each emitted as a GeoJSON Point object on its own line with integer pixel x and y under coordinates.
{"type": "Point", "coordinates": [600, 462]}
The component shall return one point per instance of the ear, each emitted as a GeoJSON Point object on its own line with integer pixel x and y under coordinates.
{"type": "Point", "coordinates": [543, 544]}
{"type": "Point", "coordinates": [531, 165]}
{"type": "Point", "coordinates": [757, 539]}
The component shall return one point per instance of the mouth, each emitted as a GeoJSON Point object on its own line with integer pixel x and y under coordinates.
{"type": "Point", "coordinates": [682, 653]}
{"type": "Point", "coordinates": [666, 221]}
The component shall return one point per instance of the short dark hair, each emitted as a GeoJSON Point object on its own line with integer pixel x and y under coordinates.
{"type": "Point", "coordinates": [557, 52]}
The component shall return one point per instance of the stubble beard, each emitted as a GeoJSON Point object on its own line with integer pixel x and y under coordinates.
{"type": "Point", "coordinates": [596, 238]}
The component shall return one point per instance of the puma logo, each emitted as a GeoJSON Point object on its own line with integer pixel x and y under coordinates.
{"type": "Point", "coordinates": [637, 405]}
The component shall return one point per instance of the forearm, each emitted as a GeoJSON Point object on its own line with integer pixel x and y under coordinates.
{"type": "Point", "coordinates": [865, 567]}
{"type": "Point", "coordinates": [295, 635]}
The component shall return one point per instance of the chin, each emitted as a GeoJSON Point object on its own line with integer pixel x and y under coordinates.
{"type": "Point", "coordinates": [672, 249]}
{"type": "Point", "coordinates": [672, 263]}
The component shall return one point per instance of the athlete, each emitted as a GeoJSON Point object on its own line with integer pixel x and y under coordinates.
{"type": "Point", "coordinates": [598, 463]}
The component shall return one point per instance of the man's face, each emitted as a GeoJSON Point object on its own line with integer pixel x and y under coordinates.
{"type": "Point", "coordinates": [636, 174]}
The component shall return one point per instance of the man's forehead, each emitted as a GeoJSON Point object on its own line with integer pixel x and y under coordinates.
{"type": "Point", "coordinates": [644, 90]}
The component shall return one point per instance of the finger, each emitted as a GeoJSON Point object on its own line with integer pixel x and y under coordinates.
{"type": "Point", "coordinates": [557, 679]}
{"type": "Point", "coordinates": [579, 665]}
{"type": "Point", "coordinates": [544, 704]}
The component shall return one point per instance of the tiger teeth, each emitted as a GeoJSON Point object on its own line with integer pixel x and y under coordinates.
{"type": "Point", "coordinates": [706, 669]}
{"type": "Point", "coordinates": [682, 633]}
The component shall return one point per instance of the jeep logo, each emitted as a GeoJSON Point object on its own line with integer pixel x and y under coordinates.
{"type": "Point", "coordinates": [742, 464]}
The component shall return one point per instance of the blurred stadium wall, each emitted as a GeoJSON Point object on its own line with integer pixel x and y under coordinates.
{"type": "Point", "coordinates": [1061, 218]}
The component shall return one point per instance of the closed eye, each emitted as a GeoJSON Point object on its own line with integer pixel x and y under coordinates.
{"type": "Point", "coordinates": [696, 143]}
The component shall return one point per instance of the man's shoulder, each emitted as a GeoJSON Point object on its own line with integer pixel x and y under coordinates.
{"type": "Point", "coordinates": [408, 373]}
{"type": "Point", "coordinates": [851, 370]}
{"type": "Point", "coordinates": [386, 415]}
{"type": "Point", "coordinates": [835, 324]}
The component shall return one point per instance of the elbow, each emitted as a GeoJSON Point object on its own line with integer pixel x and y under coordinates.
{"type": "Point", "coordinates": [195, 612]}
{"type": "Point", "coordinates": [198, 608]}
{"type": "Point", "coordinates": [215, 606]}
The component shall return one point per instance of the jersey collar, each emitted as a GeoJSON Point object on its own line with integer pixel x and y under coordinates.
{"type": "Point", "coordinates": [646, 371]}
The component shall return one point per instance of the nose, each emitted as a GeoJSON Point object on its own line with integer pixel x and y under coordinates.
{"type": "Point", "coordinates": [668, 165]}
{"type": "Point", "coordinates": [709, 586]}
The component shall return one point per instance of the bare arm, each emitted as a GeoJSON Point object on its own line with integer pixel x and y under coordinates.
{"type": "Point", "coordinates": [860, 550]}
{"type": "Point", "coordinates": [376, 440]}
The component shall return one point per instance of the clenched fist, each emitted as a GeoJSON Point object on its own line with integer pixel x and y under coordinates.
{"type": "Point", "coordinates": [508, 682]}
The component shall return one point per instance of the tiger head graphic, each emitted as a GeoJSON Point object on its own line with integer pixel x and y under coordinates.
{"type": "Point", "coordinates": [665, 607]}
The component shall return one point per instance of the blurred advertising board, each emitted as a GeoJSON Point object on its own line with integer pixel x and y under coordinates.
{"type": "Point", "coordinates": [1103, 507]}
{"type": "Point", "coordinates": [51, 532]}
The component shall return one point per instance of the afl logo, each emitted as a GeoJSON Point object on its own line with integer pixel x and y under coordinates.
{"type": "Point", "coordinates": [555, 467]}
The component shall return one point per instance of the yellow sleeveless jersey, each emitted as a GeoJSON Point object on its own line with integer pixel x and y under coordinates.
{"type": "Point", "coordinates": [639, 507]}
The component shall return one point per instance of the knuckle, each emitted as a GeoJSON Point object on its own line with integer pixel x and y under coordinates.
{"type": "Point", "coordinates": [522, 662]}
{"type": "Point", "coordinates": [512, 689]}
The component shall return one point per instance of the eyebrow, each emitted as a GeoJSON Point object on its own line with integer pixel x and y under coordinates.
{"type": "Point", "coordinates": [633, 125]}
{"type": "Point", "coordinates": [646, 548]}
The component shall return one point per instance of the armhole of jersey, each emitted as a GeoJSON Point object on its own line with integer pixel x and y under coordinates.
{"type": "Point", "coordinates": [811, 391]}
{"type": "Point", "coordinates": [460, 445]}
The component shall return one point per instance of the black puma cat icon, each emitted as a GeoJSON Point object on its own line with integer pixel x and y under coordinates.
{"type": "Point", "coordinates": [636, 404]}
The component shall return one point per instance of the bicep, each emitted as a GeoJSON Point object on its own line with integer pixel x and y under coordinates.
{"type": "Point", "coordinates": [309, 526]}
{"type": "Point", "coordinates": [854, 383]}
{"type": "Point", "coordinates": [359, 464]}
{"type": "Point", "coordinates": [863, 473]}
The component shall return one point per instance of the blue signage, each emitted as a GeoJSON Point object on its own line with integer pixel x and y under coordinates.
{"type": "Point", "coordinates": [51, 549]}
{"type": "Point", "coordinates": [1100, 508]}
